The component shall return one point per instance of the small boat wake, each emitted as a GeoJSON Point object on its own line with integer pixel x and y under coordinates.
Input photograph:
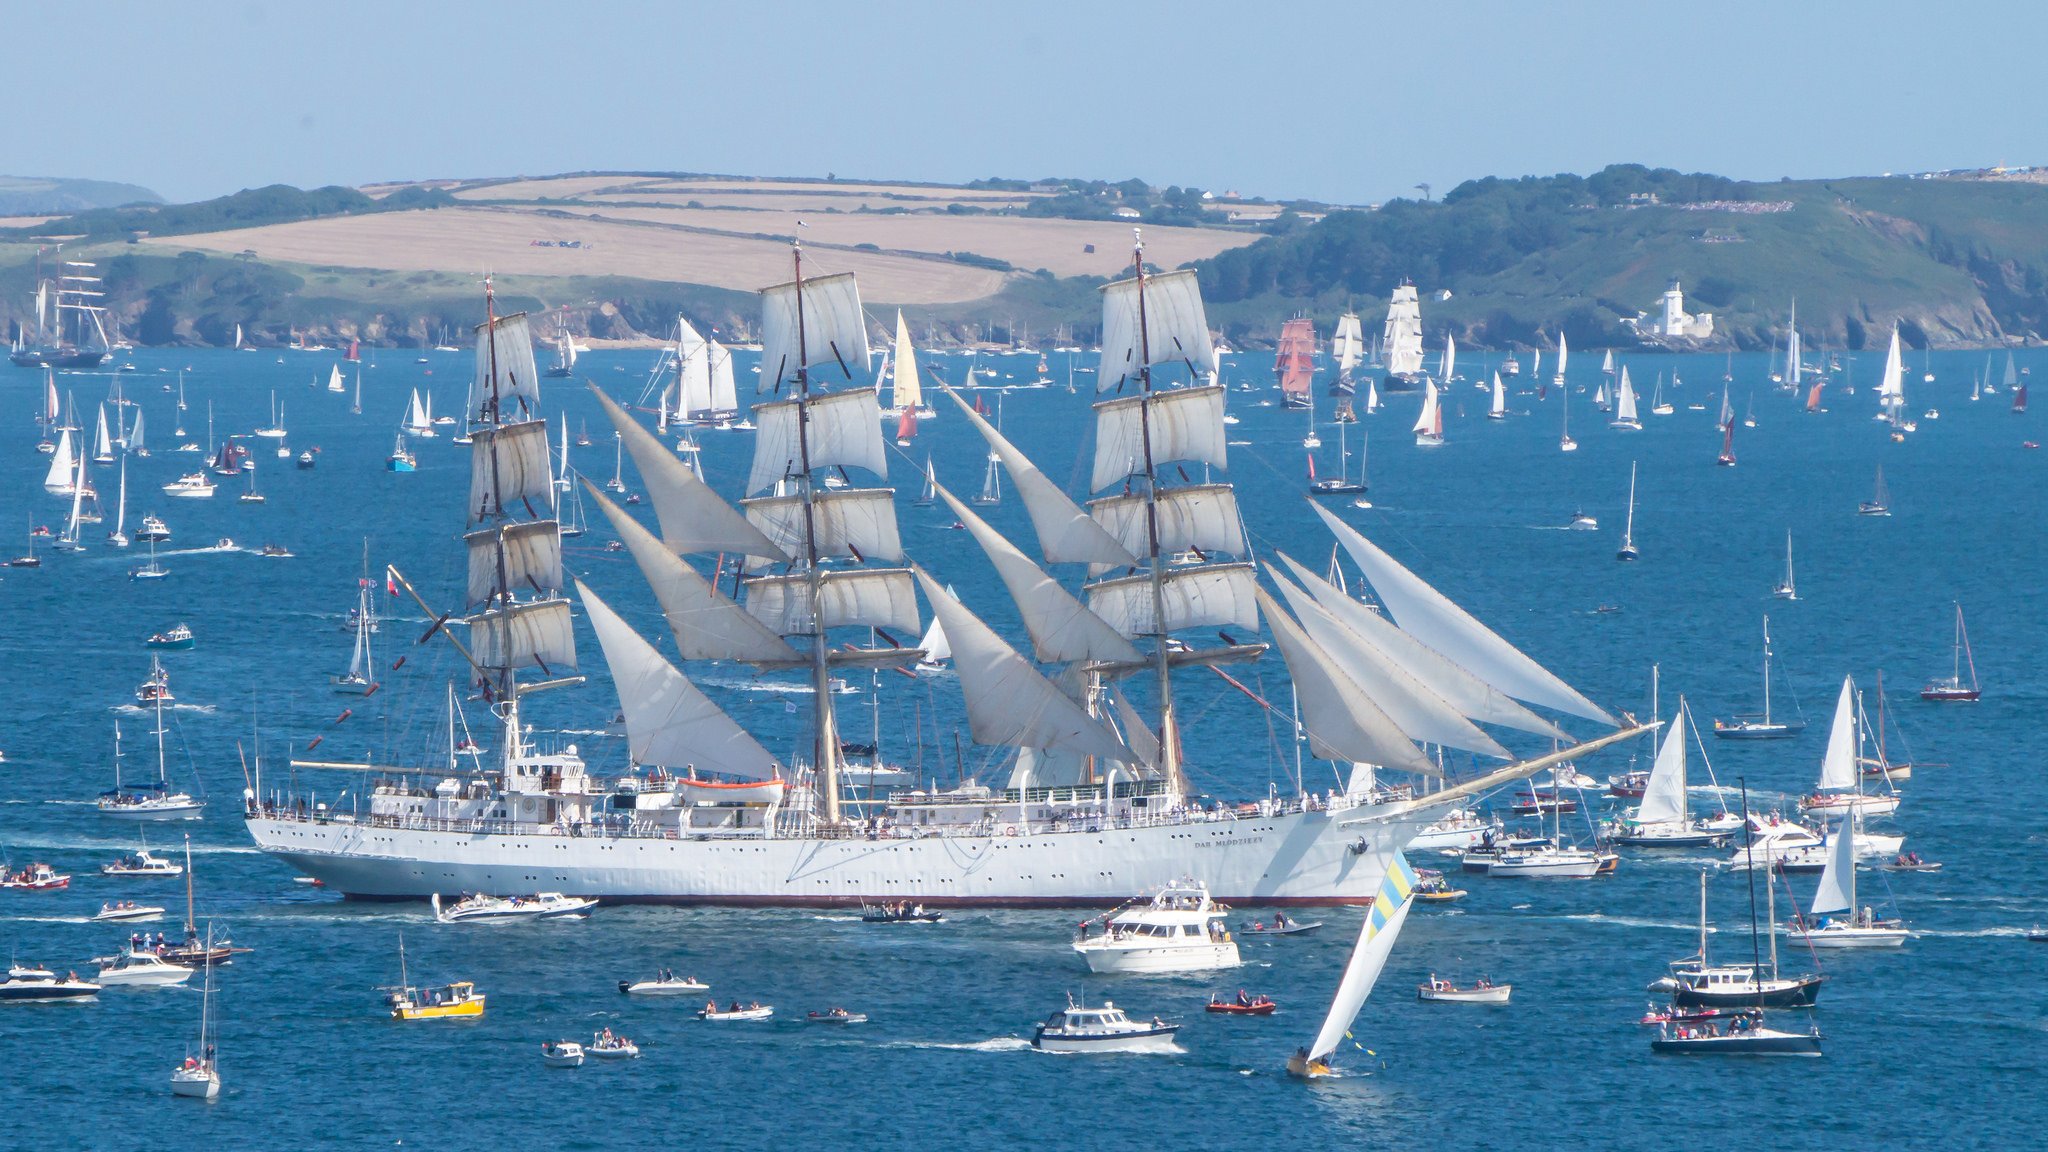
{"type": "Point", "coordinates": [998, 1044]}
{"type": "Point", "coordinates": [139, 710]}
{"type": "Point", "coordinates": [1630, 922]}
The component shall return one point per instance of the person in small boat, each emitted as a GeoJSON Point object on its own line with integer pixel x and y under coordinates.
{"type": "Point", "coordinates": [1279, 921]}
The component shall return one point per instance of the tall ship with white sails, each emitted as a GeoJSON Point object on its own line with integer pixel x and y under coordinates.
{"type": "Point", "coordinates": [1401, 340]}
{"type": "Point", "coordinates": [1097, 804]}
{"type": "Point", "coordinates": [1347, 348]}
{"type": "Point", "coordinates": [70, 329]}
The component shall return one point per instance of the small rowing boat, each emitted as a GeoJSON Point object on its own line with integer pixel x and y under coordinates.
{"type": "Point", "coordinates": [1483, 992]}
{"type": "Point", "coordinates": [753, 1011]}
{"type": "Point", "coordinates": [1243, 1006]}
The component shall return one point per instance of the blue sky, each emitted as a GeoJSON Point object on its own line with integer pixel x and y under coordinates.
{"type": "Point", "coordinates": [1342, 102]}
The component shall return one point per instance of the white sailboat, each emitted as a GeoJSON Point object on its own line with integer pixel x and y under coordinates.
{"type": "Point", "coordinates": [1376, 936]}
{"type": "Point", "coordinates": [1834, 919]}
{"type": "Point", "coordinates": [1663, 818]}
{"type": "Point", "coordinates": [1429, 424]}
{"type": "Point", "coordinates": [1786, 589]}
{"type": "Point", "coordinates": [1347, 348]}
{"type": "Point", "coordinates": [417, 421]}
{"type": "Point", "coordinates": [1565, 443]}
{"type": "Point", "coordinates": [62, 475]}
{"type": "Point", "coordinates": [103, 445]}
{"type": "Point", "coordinates": [355, 401]}
{"type": "Point", "coordinates": [335, 383]}
{"type": "Point", "coordinates": [198, 1076]}
{"type": "Point", "coordinates": [1563, 354]}
{"type": "Point", "coordinates": [1625, 405]}
{"type": "Point", "coordinates": [1891, 387]}
{"type": "Point", "coordinates": [275, 430]}
{"type": "Point", "coordinates": [1499, 408]}
{"type": "Point", "coordinates": [907, 387]}
{"type": "Point", "coordinates": [119, 536]}
{"type": "Point", "coordinates": [361, 665]}
{"type": "Point", "coordinates": [1628, 527]}
{"type": "Point", "coordinates": [1449, 367]}
{"type": "Point", "coordinates": [1401, 339]}
{"type": "Point", "coordinates": [1840, 790]}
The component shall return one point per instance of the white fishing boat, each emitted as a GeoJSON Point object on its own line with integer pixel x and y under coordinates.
{"type": "Point", "coordinates": [972, 844]}
{"type": "Point", "coordinates": [561, 1054]}
{"type": "Point", "coordinates": [1833, 919]}
{"type": "Point", "coordinates": [140, 969]}
{"type": "Point", "coordinates": [736, 1012]}
{"type": "Point", "coordinates": [1376, 936]}
{"type": "Point", "coordinates": [1840, 789]}
{"type": "Point", "coordinates": [1482, 991]}
{"type": "Point", "coordinates": [665, 983]}
{"type": "Point", "coordinates": [478, 908]}
{"type": "Point", "coordinates": [1077, 1028]}
{"type": "Point", "coordinates": [1178, 928]}
{"type": "Point", "coordinates": [143, 864]}
{"type": "Point", "coordinates": [191, 486]}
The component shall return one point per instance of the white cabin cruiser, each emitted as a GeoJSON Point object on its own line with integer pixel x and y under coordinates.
{"type": "Point", "coordinates": [1105, 1029]}
{"type": "Point", "coordinates": [142, 968]}
{"type": "Point", "coordinates": [478, 908]}
{"type": "Point", "coordinates": [665, 983]}
{"type": "Point", "coordinates": [1179, 929]}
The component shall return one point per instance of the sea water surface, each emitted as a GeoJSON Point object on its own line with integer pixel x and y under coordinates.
{"type": "Point", "coordinates": [1917, 1041]}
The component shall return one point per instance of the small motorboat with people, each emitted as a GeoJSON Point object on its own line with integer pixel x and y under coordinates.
{"type": "Point", "coordinates": [1177, 929]}
{"type": "Point", "coordinates": [1243, 1004]}
{"type": "Point", "coordinates": [143, 864]}
{"type": "Point", "coordinates": [837, 1016]}
{"type": "Point", "coordinates": [753, 1010]}
{"type": "Point", "coordinates": [1457, 829]}
{"type": "Point", "coordinates": [606, 1044]}
{"type": "Point", "coordinates": [157, 687]}
{"type": "Point", "coordinates": [478, 908]}
{"type": "Point", "coordinates": [446, 1002]}
{"type": "Point", "coordinates": [665, 983]}
{"type": "Point", "coordinates": [900, 912]}
{"type": "Point", "coordinates": [42, 984]}
{"type": "Point", "coordinates": [1911, 862]}
{"type": "Point", "coordinates": [37, 877]}
{"type": "Point", "coordinates": [1482, 991]}
{"type": "Point", "coordinates": [561, 1054]}
{"type": "Point", "coordinates": [1433, 888]}
{"type": "Point", "coordinates": [1106, 1029]}
{"type": "Point", "coordinates": [177, 638]}
{"type": "Point", "coordinates": [127, 910]}
{"type": "Point", "coordinates": [1280, 925]}
{"type": "Point", "coordinates": [1742, 1034]}
{"type": "Point", "coordinates": [141, 968]}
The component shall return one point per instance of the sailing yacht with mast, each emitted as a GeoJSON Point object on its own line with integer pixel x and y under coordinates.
{"type": "Point", "coordinates": [1627, 551]}
{"type": "Point", "coordinates": [198, 1076]}
{"type": "Point", "coordinates": [1401, 340]}
{"type": "Point", "coordinates": [1859, 926]}
{"type": "Point", "coordinates": [1840, 790]}
{"type": "Point", "coordinates": [356, 681]}
{"type": "Point", "coordinates": [1294, 363]}
{"type": "Point", "coordinates": [1347, 348]}
{"type": "Point", "coordinates": [1342, 482]}
{"type": "Point", "coordinates": [1429, 423]}
{"type": "Point", "coordinates": [1498, 409]}
{"type": "Point", "coordinates": [1760, 727]}
{"type": "Point", "coordinates": [1952, 687]}
{"type": "Point", "coordinates": [719, 819]}
{"type": "Point", "coordinates": [1362, 969]}
{"type": "Point", "coordinates": [1625, 406]}
{"type": "Point", "coordinates": [1663, 818]}
{"type": "Point", "coordinates": [1565, 443]}
{"type": "Point", "coordinates": [1786, 589]}
{"type": "Point", "coordinates": [152, 801]}
{"type": "Point", "coordinates": [1880, 502]}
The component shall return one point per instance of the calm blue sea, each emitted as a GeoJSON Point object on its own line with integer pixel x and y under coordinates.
{"type": "Point", "coordinates": [1913, 1039]}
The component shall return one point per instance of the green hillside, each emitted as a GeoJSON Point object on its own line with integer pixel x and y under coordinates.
{"type": "Point", "coordinates": [47, 195]}
{"type": "Point", "coordinates": [1954, 261]}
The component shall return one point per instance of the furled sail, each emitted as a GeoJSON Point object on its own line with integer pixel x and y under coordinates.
{"type": "Point", "coordinates": [530, 552]}
{"type": "Point", "coordinates": [518, 389]}
{"type": "Point", "coordinates": [1176, 328]}
{"type": "Point", "coordinates": [835, 335]}
{"type": "Point", "coordinates": [1432, 618]}
{"type": "Point", "coordinates": [1008, 703]}
{"type": "Point", "coordinates": [1419, 713]}
{"type": "Point", "coordinates": [1199, 516]}
{"type": "Point", "coordinates": [708, 625]}
{"type": "Point", "coordinates": [509, 471]}
{"type": "Point", "coordinates": [1376, 938]}
{"type": "Point", "coordinates": [693, 518]}
{"type": "Point", "coordinates": [1664, 795]}
{"type": "Point", "coordinates": [1212, 595]}
{"type": "Point", "coordinates": [1343, 722]}
{"type": "Point", "coordinates": [1062, 629]}
{"type": "Point", "coordinates": [845, 431]}
{"type": "Point", "coordinates": [668, 721]}
{"type": "Point", "coordinates": [872, 598]}
{"type": "Point", "coordinates": [537, 635]}
{"type": "Point", "coordinates": [851, 522]}
{"type": "Point", "coordinates": [1066, 534]}
{"type": "Point", "coordinates": [1186, 424]}
{"type": "Point", "coordinates": [1838, 764]}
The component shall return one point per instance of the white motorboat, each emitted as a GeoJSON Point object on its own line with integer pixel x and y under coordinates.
{"type": "Point", "coordinates": [1833, 919]}
{"type": "Point", "coordinates": [1458, 829]}
{"type": "Point", "coordinates": [665, 983]}
{"type": "Point", "coordinates": [561, 1054]}
{"type": "Point", "coordinates": [42, 984]}
{"type": "Point", "coordinates": [144, 864]}
{"type": "Point", "coordinates": [837, 1016]}
{"type": "Point", "coordinates": [479, 908]}
{"type": "Point", "coordinates": [1105, 1029]}
{"type": "Point", "coordinates": [192, 486]}
{"type": "Point", "coordinates": [1483, 992]}
{"type": "Point", "coordinates": [144, 969]}
{"type": "Point", "coordinates": [1178, 929]}
{"type": "Point", "coordinates": [128, 910]}
{"type": "Point", "coordinates": [608, 1045]}
{"type": "Point", "coordinates": [736, 1011]}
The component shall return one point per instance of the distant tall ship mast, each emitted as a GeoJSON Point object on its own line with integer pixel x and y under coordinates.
{"type": "Point", "coordinates": [70, 331]}
{"type": "Point", "coordinates": [1295, 361]}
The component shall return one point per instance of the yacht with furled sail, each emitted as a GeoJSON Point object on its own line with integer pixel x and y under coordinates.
{"type": "Point", "coordinates": [1787, 589]}
{"type": "Point", "coordinates": [356, 681]}
{"type": "Point", "coordinates": [69, 322]}
{"type": "Point", "coordinates": [1628, 550]}
{"type": "Point", "coordinates": [1294, 363]}
{"type": "Point", "coordinates": [1764, 727]}
{"type": "Point", "coordinates": [1401, 340]}
{"type": "Point", "coordinates": [719, 819]}
{"type": "Point", "coordinates": [1951, 687]}
{"type": "Point", "coordinates": [1347, 348]}
{"type": "Point", "coordinates": [198, 1075]}
{"type": "Point", "coordinates": [1342, 482]}
{"type": "Point", "coordinates": [150, 801]}
{"type": "Point", "coordinates": [1376, 936]}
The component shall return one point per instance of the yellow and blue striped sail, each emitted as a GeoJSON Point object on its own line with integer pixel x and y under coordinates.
{"type": "Point", "coordinates": [1375, 940]}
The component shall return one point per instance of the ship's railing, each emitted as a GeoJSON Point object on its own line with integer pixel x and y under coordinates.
{"type": "Point", "coordinates": [991, 825]}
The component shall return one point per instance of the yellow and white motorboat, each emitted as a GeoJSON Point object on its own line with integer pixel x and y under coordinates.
{"type": "Point", "coordinates": [446, 1001]}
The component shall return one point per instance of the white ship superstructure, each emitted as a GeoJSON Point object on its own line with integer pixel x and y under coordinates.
{"type": "Point", "coordinates": [1097, 803]}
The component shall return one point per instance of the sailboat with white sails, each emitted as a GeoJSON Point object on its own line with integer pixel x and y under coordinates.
{"type": "Point", "coordinates": [718, 818]}
{"type": "Point", "coordinates": [1840, 790]}
{"type": "Point", "coordinates": [1401, 340]}
{"type": "Point", "coordinates": [1347, 348]}
{"type": "Point", "coordinates": [1787, 589]}
{"type": "Point", "coordinates": [1429, 423]}
{"type": "Point", "coordinates": [1376, 936]}
{"type": "Point", "coordinates": [1625, 416]}
{"type": "Point", "coordinates": [1834, 919]}
{"type": "Point", "coordinates": [1664, 818]}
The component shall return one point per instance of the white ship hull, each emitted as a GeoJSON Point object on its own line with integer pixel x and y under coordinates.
{"type": "Point", "coordinates": [1131, 958]}
{"type": "Point", "coordinates": [1297, 858]}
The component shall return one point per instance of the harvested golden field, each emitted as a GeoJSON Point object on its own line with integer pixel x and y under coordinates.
{"type": "Point", "coordinates": [511, 241]}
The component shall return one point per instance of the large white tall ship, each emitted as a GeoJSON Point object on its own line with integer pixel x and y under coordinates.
{"type": "Point", "coordinates": [1401, 340]}
{"type": "Point", "coordinates": [1097, 803]}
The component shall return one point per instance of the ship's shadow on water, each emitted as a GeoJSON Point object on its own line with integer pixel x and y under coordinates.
{"type": "Point", "coordinates": [311, 1059]}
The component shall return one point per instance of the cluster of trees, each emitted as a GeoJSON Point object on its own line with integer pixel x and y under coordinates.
{"type": "Point", "coordinates": [276, 204]}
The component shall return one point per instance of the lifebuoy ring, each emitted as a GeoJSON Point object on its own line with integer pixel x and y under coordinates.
{"type": "Point", "coordinates": [1009, 829]}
